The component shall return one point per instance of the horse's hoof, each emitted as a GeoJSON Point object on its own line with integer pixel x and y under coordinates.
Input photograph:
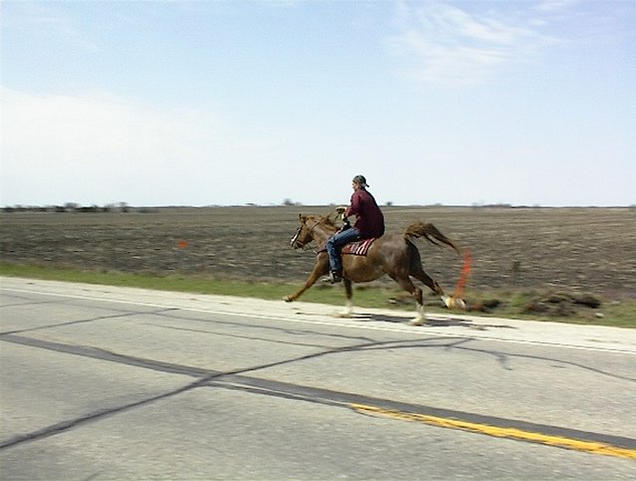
{"type": "Point", "coordinates": [287, 299]}
{"type": "Point", "coordinates": [447, 300]}
{"type": "Point", "coordinates": [454, 302]}
{"type": "Point", "coordinates": [417, 322]}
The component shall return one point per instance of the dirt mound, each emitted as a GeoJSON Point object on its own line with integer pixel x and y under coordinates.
{"type": "Point", "coordinates": [560, 304]}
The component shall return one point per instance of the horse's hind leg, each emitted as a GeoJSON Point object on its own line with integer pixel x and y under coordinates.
{"type": "Point", "coordinates": [416, 292]}
{"type": "Point", "coordinates": [415, 270]}
{"type": "Point", "coordinates": [420, 275]}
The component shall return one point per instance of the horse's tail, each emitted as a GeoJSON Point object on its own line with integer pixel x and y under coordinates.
{"type": "Point", "coordinates": [429, 232]}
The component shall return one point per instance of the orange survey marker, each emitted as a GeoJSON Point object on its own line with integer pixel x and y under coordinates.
{"type": "Point", "coordinates": [463, 277]}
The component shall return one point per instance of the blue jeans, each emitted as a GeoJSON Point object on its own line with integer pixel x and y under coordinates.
{"type": "Point", "coordinates": [335, 243]}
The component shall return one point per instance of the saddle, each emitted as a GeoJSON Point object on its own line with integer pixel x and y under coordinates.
{"type": "Point", "coordinates": [358, 248]}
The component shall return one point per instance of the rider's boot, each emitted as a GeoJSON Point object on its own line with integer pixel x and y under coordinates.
{"type": "Point", "coordinates": [335, 276]}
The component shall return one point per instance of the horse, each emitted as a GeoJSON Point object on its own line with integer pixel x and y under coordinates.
{"type": "Point", "coordinates": [392, 254]}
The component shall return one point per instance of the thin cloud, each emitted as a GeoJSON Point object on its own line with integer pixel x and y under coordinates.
{"type": "Point", "coordinates": [554, 5]}
{"type": "Point", "coordinates": [53, 22]}
{"type": "Point", "coordinates": [96, 146]}
{"type": "Point", "coordinates": [438, 42]}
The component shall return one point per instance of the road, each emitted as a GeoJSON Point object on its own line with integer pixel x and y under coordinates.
{"type": "Point", "coordinates": [108, 383]}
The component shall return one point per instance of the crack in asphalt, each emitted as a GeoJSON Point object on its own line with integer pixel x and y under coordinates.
{"type": "Point", "coordinates": [236, 380]}
{"type": "Point", "coordinates": [293, 332]}
{"type": "Point", "coordinates": [20, 304]}
{"type": "Point", "coordinates": [163, 313]}
{"type": "Point", "coordinates": [205, 376]}
{"type": "Point", "coordinates": [84, 321]}
{"type": "Point", "coordinates": [73, 423]}
{"type": "Point", "coordinates": [502, 357]}
{"type": "Point", "coordinates": [237, 336]}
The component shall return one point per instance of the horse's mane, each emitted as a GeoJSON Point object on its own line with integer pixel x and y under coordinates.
{"type": "Point", "coordinates": [328, 220]}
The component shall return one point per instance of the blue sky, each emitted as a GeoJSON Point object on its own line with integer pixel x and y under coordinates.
{"type": "Point", "coordinates": [200, 103]}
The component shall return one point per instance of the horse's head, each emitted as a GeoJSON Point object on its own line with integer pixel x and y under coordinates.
{"type": "Point", "coordinates": [304, 233]}
{"type": "Point", "coordinates": [307, 231]}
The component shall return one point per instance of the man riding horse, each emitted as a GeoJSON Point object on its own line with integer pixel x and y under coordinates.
{"type": "Point", "coordinates": [369, 224]}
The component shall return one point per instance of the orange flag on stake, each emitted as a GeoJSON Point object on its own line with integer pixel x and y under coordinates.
{"type": "Point", "coordinates": [463, 277]}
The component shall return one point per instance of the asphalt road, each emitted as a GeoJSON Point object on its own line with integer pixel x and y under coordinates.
{"type": "Point", "coordinates": [106, 383]}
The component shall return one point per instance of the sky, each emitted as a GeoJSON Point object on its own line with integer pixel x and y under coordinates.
{"type": "Point", "coordinates": [522, 102]}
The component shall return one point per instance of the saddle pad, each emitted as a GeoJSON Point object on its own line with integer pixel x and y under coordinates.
{"type": "Point", "coordinates": [359, 248]}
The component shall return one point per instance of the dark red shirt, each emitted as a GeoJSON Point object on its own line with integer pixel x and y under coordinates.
{"type": "Point", "coordinates": [370, 220]}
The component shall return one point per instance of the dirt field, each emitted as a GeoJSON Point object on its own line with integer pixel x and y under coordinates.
{"type": "Point", "coordinates": [591, 249]}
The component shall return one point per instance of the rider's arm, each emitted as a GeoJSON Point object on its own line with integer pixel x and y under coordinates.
{"type": "Point", "coordinates": [354, 208]}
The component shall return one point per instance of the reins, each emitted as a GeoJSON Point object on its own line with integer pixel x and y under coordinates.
{"type": "Point", "coordinates": [311, 229]}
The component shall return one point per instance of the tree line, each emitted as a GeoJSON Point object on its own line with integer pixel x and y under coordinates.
{"type": "Point", "coordinates": [70, 207]}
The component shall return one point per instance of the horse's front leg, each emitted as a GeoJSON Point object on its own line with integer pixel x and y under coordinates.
{"type": "Point", "coordinates": [321, 268]}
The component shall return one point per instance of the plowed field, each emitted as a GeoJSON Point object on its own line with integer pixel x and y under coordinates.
{"type": "Point", "coordinates": [591, 249]}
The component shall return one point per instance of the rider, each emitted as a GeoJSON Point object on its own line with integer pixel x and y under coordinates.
{"type": "Point", "coordinates": [369, 223]}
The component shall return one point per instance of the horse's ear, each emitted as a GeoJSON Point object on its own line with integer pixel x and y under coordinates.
{"type": "Point", "coordinates": [301, 218]}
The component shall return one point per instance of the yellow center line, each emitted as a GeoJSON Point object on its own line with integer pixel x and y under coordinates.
{"type": "Point", "coordinates": [500, 432]}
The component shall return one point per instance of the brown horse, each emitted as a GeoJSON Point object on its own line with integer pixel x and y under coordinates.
{"type": "Point", "coordinates": [392, 254]}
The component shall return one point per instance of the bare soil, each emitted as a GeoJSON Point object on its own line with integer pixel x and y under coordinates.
{"type": "Point", "coordinates": [575, 249]}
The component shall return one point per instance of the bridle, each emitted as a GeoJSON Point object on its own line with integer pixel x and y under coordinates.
{"type": "Point", "coordinates": [299, 230]}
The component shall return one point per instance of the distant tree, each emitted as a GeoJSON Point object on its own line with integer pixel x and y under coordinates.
{"type": "Point", "coordinates": [288, 202]}
{"type": "Point", "coordinates": [92, 208]}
